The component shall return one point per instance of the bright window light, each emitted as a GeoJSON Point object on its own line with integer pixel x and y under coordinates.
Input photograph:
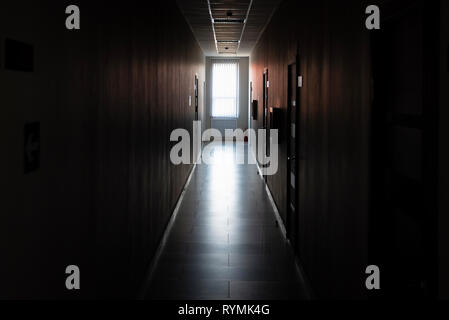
{"type": "Point", "coordinates": [225, 89]}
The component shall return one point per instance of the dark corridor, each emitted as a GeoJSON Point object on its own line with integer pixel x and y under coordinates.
{"type": "Point", "coordinates": [339, 110]}
{"type": "Point", "coordinates": [225, 242]}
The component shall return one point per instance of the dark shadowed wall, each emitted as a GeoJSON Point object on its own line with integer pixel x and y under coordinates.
{"type": "Point", "coordinates": [334, 120]}
{"type": "Point", "coordinates": [339, 205]}
{"type": "Point", "coordinates": [107, 98]}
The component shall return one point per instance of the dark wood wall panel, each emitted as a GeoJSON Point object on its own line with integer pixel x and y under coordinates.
{"type": "Point", "coordinates": [334, 117]}
{"type": "Point", "coordinates": [108, 97]}
{"type": "Point", "coordinates": [151, 64]}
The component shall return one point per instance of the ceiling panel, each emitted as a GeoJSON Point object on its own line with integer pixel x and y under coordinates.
{"type": "Point", "coordinates": [230, 27]}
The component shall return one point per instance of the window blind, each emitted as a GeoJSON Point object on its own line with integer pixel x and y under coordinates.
{"type": "Point", "coordinates": [225, 89]}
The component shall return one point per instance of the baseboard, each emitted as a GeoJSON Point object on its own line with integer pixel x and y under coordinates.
{"type": "Point", "coordinates": [154, 261]}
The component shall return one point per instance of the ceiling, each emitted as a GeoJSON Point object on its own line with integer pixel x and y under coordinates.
{"type": "Point", "coordinates": [228, 27]}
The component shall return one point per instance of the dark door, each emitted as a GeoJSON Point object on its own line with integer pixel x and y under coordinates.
{"type": "Point", "coordinates": [403, 204]}
{"type": "Point", "coordinates": [265, 113]}
{"type": "Point", "coordinates": [292, 161]}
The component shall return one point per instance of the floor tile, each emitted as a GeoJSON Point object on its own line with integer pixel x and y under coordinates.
{"type": "Point", "coordinates": [225, 243]}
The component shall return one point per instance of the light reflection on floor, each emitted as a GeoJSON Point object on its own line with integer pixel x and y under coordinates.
{"type": "Point", "coordinates": [225, 243]}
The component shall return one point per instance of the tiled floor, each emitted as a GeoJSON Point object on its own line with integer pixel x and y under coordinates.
{"type": "Point", "coordinates": [224, 243]}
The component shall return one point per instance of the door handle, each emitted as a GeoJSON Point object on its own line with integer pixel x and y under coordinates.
{"type": "Point", "coordinates": [293, 158]}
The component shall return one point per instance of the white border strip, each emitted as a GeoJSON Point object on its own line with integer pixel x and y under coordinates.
{"type": "Point", "coordinates": [154, 262]}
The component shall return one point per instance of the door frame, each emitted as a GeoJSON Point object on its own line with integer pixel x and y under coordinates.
{"type": "Point", "coordinates": [292, 222]}
{"type": "Point", "coordinates": [196, 96]}
{"type": "Point", "coordinates": [265, 120]}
